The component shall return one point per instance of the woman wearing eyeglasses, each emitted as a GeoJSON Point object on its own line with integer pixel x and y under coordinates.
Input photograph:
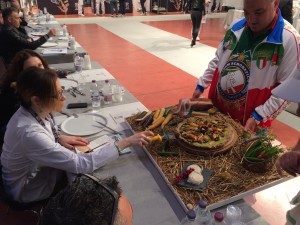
{"type": "Point", "coordinates": [35, 155]}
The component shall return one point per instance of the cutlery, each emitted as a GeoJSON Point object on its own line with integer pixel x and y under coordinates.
{"type": "Point", "coordinates": [74, 89]}
{"type": "Point", "coordinates": [104, 125]}
{"type": "Point", "coordinates": [69, 115]}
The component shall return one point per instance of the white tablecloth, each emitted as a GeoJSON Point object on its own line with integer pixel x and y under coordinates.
{"type": "Point", "coordinates": [238, 4]}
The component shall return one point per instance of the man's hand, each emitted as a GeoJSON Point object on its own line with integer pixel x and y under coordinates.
{"type": "Point", "coordinates": [290, 162]}
{"type": "Point", "coordinates": [250, 125]}
{"type": "Point", "coordinates": [197, 94]}
{"type": "Point", "coordinates": [52, 32]}
{"type": "Point", "coordinates": [70, 141]}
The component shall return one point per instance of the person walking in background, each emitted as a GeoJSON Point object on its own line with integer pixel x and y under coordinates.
{"type": "Point", "coordinates": [218, 6]}
{"type": "Point", "coordinates": [113, 7]}
{"type": "Point", "coordinates": [122, 7]}
{"type": "Point", "coordinates": [144, 12]}
{"type": "Point", "coordinates": [80, 7]}
{"type": "Point", "coordinates": [98, 3]}
{"type": "Point", "coordinates": [197, 8]}
{"type": "Point", "coordinates": [210, 5]}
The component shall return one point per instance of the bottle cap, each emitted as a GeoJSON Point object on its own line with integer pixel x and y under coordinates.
{"type": "Point", "coordinates": [202, 204]}
{"type": "Point", "coordinates": [219, 216]}
{"type": "Point", "coordinates": [191, 214]}
{"type": "Point", "coordinates": [93, 81]}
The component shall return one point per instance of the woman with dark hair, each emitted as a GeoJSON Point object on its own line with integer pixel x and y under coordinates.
{"type": "Point", "coordinates": [8, 98]}
{"type": "Point", "coordinates": [35, 156]}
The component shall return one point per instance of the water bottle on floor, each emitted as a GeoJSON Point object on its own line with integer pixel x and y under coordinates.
{"type": "Point", "coordinates": [190, 218]}
{"type": "Point", "coordinates": [95, 95]}
{"type": "Point", "coordinates": [218, 219]}
{"type": "Point", "coordinates": [203, 214]}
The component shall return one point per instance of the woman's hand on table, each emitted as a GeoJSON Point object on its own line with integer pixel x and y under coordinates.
{"type": "Point", "coordinates": [139, 139]}
{"type": "Point", "coordinates": [70, 141]}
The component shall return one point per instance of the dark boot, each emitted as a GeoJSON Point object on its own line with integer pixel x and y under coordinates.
{"type": "Point", "coordinates": [193, 43]}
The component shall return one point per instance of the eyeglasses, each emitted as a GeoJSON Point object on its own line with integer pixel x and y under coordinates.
{"type": "Point", "coordinates": [110, 192]}
{"type": "Point", "coordinates": [59, 93]}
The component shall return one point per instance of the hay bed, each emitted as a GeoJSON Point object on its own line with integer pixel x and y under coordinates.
{"type": "Point", "coordinates": [229, 178]}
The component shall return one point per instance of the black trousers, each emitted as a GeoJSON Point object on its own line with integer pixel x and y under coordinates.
{"type": "Point", "coordinates": [196, 17]}
{"type": "Point", "coordinates": [143, 6]}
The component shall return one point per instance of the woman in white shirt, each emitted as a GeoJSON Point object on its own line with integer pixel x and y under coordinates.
{"type": "Point", "coordinates": [34, 154]}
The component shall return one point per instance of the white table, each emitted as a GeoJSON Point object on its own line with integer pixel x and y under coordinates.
{"type": "Point", "coordinates": [232, 15]}
{"type": "Point", "coordinates": [238, 4]}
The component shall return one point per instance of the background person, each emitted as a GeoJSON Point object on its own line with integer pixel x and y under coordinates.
{"type": "Point", "coordinates": [9, 99]}
{"type": "Point", "coordinates": [70, 206]}
{"type": "Point", "coordinates": [98, 3]}
{"type": "Point", "coordinates": [144, 11]}
{"type": "Point", "coordinates": [244, 71]}
{"type": "Point", "coordinates": [197, 8]}
{"type": "Point", "coordinates": [80, 5]}
{"type": "Point", "coordinates": [35, 156]}
{"type": "Point", "coordinates": [114, 7]}
{"type": "Point", "coordinates": [12, 40]}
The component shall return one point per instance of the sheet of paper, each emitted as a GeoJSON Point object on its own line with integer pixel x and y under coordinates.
{"type": "Point", "coordinates": [50, 51]}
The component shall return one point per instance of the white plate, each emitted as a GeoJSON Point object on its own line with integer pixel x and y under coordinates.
{"type": "Point", "coordinates": [68, 83]}
{"type": "Point", "coordinates": [49, 44]}
{"type": "Point", "coordinates": [37, 33]}
{"type": "Point", "coordinates": [85, 124]}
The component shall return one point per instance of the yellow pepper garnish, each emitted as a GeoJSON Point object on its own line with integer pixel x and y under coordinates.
{"type": "Point", "coordinates": [156, 138]}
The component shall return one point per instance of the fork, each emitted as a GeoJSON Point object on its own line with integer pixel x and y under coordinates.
{"type": "Point", "coordinates": [69, 115]}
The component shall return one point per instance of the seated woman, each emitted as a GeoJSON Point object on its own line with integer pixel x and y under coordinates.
{"type": "Point", "coordinates": [9, 100]}
{"type": "Point", "coordinates": [34, 157]}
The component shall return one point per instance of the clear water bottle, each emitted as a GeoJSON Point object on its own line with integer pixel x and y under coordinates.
{"type": "Point", "coordinates": [203, 214]}
{"type": "Point", "coordinates": [95, 96]}
{"type": "Point", "coordinates": [78, 63]}
{"type": "Point", "coordinates": [65, 30]}
{"type": "Point", "coordinates": [190, 218]}
{"type": "Point", "coordinates": [218, 219]}
{"type": "Point", "coordinates": [107, 92]}
{"type": "Point", "coordinates": [45, 10]}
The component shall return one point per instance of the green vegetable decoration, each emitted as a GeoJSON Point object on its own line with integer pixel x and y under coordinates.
{"type": "Point", "coordinates": [262, 149]}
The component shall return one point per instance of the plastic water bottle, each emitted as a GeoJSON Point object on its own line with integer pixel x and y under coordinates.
{"type": "Point", "coordinates": [190, 218]}
{"type": "Point", "coordinates": [203, 214]}
{"type": "Point", "coordinates": [78, 63]}
{"type": "Point", "coordinates": [218, 219]}
{"type": "Point", "coordinates": [45, 10]}
{"type": "Point", "coordinates": [65, 30]}
{"type": "Point", "coordinates": [87, 62]}
{"type": "Point", "coordinates": [107, 92]}
{"type": "Point", "coordinates": [95, 95]}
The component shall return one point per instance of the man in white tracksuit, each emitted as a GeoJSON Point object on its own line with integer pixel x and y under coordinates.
{"type": "Point", "coordinates": [98, 2]}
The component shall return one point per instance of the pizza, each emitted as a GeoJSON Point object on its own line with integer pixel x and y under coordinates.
{"type": "Point", "coordinates": [204, 132]}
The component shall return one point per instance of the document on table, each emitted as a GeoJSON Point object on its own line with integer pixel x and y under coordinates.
{"type": "Point", "coordinates": [51, 51]}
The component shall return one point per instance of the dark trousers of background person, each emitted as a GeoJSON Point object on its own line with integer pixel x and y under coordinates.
{"type": "Point", "coordinates": [113, 5]}
{"type": "Point", "coordinates": [196, 16]}
{"type": "Point", "coordinates": [122, 7]}
{"type": "Point", "coordinates": [286, 7]}
{"type": "Point", "coordinates": [143, 6]}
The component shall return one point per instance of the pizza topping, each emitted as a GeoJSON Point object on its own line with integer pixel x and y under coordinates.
{"type": "Point", "coordinates": [200, 130]}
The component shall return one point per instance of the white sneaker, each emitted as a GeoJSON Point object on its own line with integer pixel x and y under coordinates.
{"type": "Point", "coordinates": [81, 14]}
{"type": "Point", "coordinates": [197, 39]}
